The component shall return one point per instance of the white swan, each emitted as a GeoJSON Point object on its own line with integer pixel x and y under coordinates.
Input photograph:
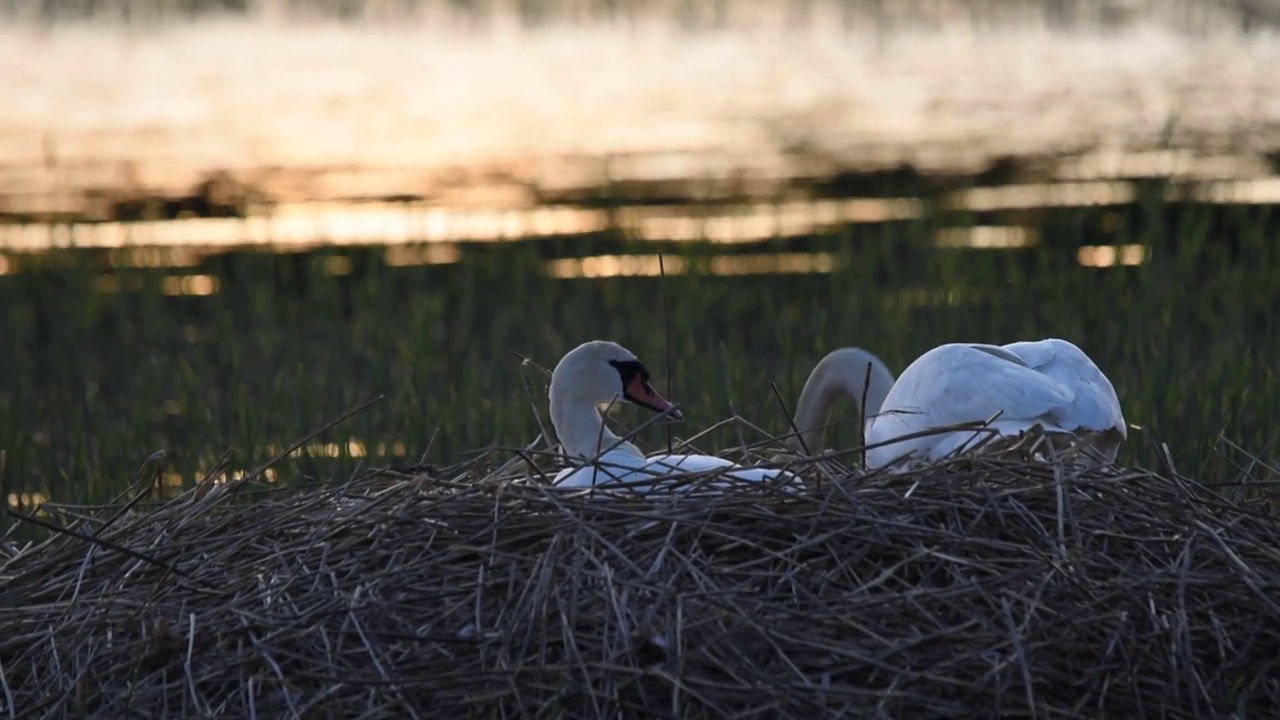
{"type": "Point", "coordinates": [848, 372]}
{"type": "Point", "coordinates": [599, 372]}
{"type": "Point", "coordinates": [1050, 383]}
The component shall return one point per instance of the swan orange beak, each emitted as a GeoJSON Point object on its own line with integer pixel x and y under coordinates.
{"type": "Point", "coordinates": [640, 392]}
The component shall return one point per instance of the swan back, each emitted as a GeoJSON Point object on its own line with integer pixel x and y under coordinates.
{"type": "Point", "coordinates": [960, 383]}
{"type": "Point", "coordinates": [1095, 406]}
{"type": "Point", "coordinates": [851, 372]}
{"type": "Point", "coordinates": [1049, 383]}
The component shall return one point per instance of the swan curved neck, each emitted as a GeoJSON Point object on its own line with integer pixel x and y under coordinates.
{"type": "Point", "coordinates": [842, 372]}
{"type": "Point", "coordinates": [581, 428]}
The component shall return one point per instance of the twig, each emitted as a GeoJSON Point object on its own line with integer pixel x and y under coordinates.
{"type": "Point", "coordinates": [97, 541]}
{"type": "Point", "coordinates": [531, 363]}
{"type": "Point", "coordinates": [4, 680]}
{"type": "Point", "coordinates": [666, 329]}
{"type": "Point", "coordinates": [786, 412]}
{"type": "Point", "coordinates": [306, 439]}
{"type": "Point", "coordinates": [422, 460]}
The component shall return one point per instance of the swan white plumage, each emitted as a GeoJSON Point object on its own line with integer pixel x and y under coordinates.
{"type": "Point", "coordinates": [599, 372]}
{"type": "Point", "coordinates": [1048, 383]}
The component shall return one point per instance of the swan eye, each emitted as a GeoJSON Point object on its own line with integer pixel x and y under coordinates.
{"type": "Point", "coordinates": [629, 369]}
{"type": "Point", "coordinates": [633, 373]}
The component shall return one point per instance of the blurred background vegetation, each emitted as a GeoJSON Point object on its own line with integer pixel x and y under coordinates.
{"type": "Point", "coordinates": [170, 320]}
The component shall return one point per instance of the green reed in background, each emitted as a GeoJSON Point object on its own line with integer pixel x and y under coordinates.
{"type": "Point", "coordinates": [98, 381]}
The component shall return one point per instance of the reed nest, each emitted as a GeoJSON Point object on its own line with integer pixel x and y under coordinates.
{"type": "Point", "coordinates": [981, 586]}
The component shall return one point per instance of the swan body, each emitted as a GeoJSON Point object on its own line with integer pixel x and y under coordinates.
{"type": "Point", "coordinates": [1047, 383]}
{"type": "Point", "coordinates": [599, 372]}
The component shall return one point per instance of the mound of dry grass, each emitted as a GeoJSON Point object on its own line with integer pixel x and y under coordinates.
{"type": "Point", "coordinates": [978, 587]}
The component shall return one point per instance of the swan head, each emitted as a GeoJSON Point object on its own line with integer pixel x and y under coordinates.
{"type": "Point", "coordinates": [599, 372]}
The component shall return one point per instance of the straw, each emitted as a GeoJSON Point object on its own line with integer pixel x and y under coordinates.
{"type": "Point", "coordinates": [986, 585]}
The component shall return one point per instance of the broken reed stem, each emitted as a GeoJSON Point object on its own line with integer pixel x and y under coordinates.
{"type": "Point", "coordinates": [255, 474]}
{"type": "Point", "coordinates": [666, 329]}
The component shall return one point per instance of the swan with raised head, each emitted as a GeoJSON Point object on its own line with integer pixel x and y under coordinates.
{"type": "Point", "coordinates": [1049, 383]}
{"type": "Point", "coordinates": [599, 372]}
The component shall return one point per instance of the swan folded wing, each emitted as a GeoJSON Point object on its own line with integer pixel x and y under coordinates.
{"type": "Point", "coordinates": [1017, 400]}
{"type": "Point", "coordinates": [1002, 353]}
{"type": "Point", "coordinates": [616, 466]}
{"type": "Point", "coordinates": [628, 470]}
{"type": "Point", "coordinates": [718, 466]}
{"type": "Point", "coordinates": [687, 463]}
{"type": "Point", "coordinates": [960, 383]}
{"type": "Point", "coordinates": [1036, 354]}
{"type": "Point", "coordinates": [1095, 405]}
{"type": "Point", "coordinates": [692, 464]}
{"type": "Point", "coordinates": [983, 384]}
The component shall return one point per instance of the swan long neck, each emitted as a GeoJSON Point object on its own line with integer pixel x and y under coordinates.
{"type": "Point", "coordinates": [841, 373]}
{"type": "Point", "coordinates": [580, 427]}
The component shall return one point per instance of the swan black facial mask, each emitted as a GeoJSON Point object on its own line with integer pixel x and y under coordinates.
{"type": "Point", "coordinates": [636, 387]}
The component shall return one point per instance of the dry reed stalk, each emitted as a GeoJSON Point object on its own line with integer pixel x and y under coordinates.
{"type": "Point", "coordinates": [982, 586]}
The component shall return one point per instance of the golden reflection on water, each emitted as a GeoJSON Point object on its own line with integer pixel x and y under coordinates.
{"type": "Point", "coordinates": [307, 226]}
{"type": "Point", "coordinates": [606, 266]}
{"type": "Point", "coordinates": [985, 237]}
{"type": "Point", "coordinates": [763, 221]}
{"type": "Point", "coordinates": [778, 263]}
{"type": "Point", "coordinates": [411, 255]}
{"type": "Point", "coordinates": [199, 285]}
{"type": "Point", "coordinates": [415, 235]}
{"type": "Point", "coordinates": [177, 480]}
{"type": "Point", "coordinates": [1044, 195]}
{"type": "Point", "coordinates": [155, 257]}
{"type": "Point", "coordinates": [27, 501]}
{"type": "Point", "coordinates": [1101, 256]}
{"type": "Point", "coordinates": [418, 235]}
{"type": "Point", "coordinates": [600, 266]}
{"type": "Point", "coordinates": [1261, 191]}
{"type": "Point", "coordinates": [351, 448]}
{"type": "Point", "coordinates": [929, 297]}
{"type": "Point", "coordinates": [338, 265]}
{"type": "Point", "coordinates": [109, 284]}
{"type": "Point", "coordinates": [1171, 162]}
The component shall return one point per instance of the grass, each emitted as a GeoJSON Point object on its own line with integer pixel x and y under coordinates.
{"type": "Point", "coordinates": [98, 381]}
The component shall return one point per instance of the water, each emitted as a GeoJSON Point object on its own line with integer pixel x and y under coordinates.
{"type": "Point", "coordinates": [256, 112]}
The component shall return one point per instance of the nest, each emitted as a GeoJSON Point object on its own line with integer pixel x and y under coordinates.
{"type": "Point", "coordinates": [988, 586]}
